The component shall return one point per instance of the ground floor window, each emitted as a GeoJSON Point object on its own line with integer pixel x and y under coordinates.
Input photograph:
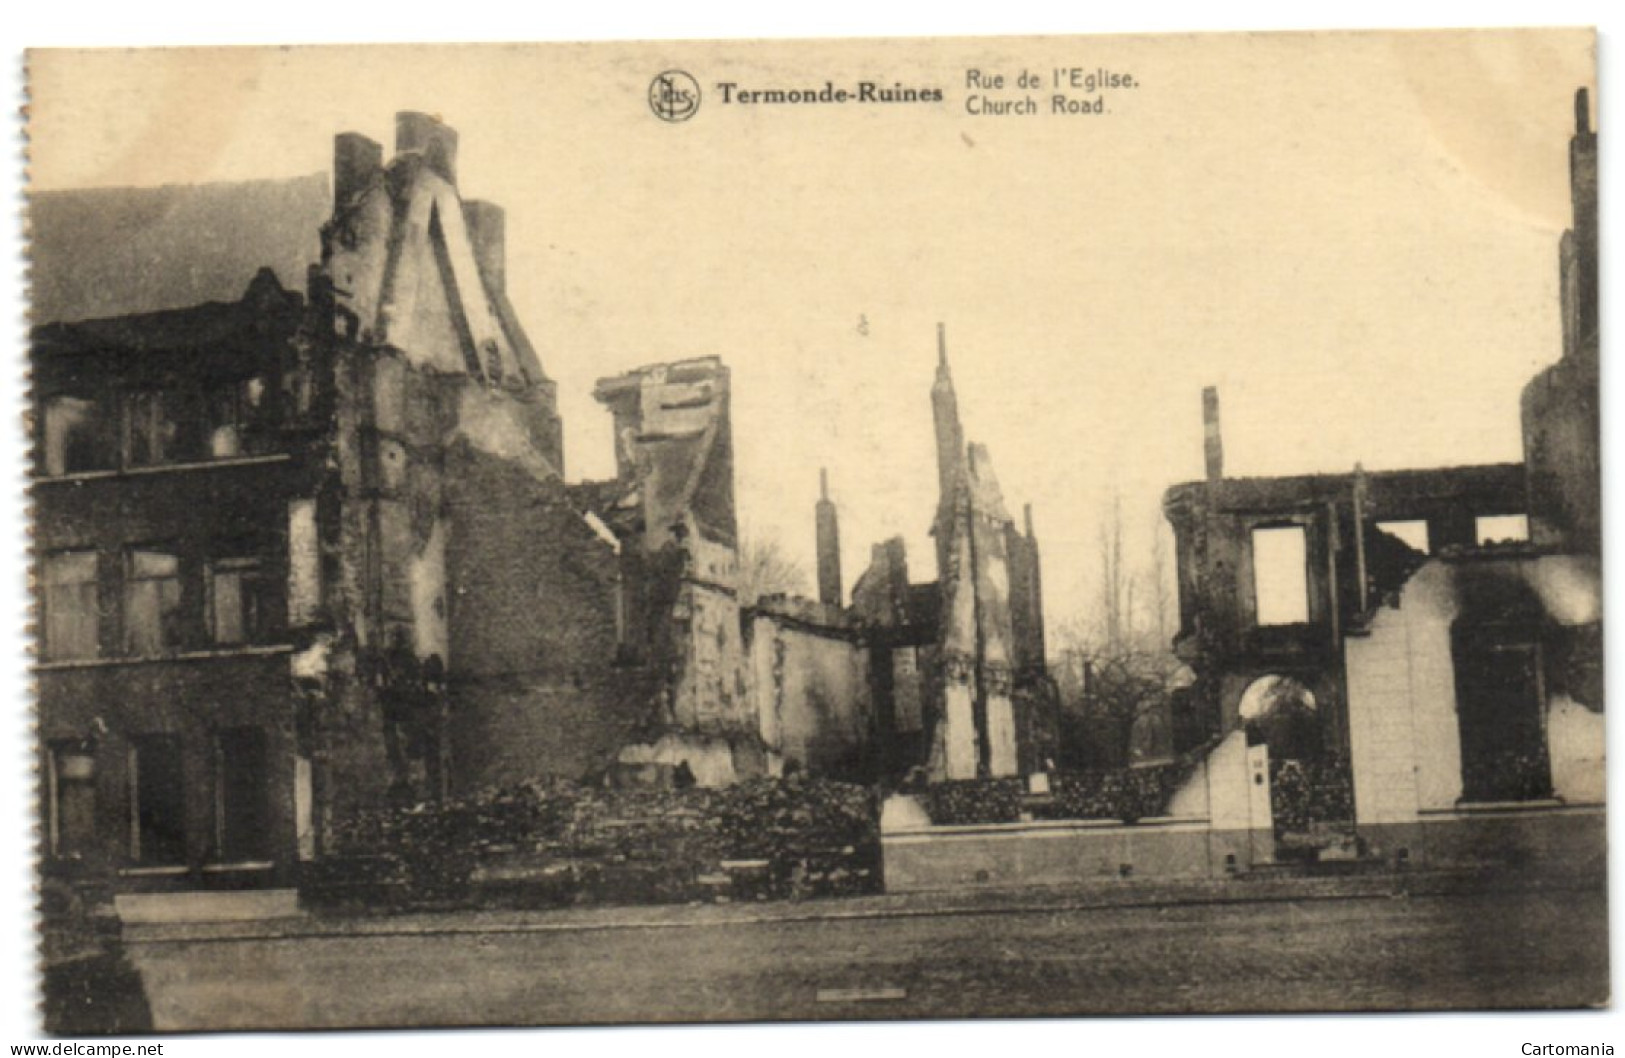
{"type": "Point", "coordinates": [70, 793]}
{"type": "Point", "coordinates": [242, 796]}
{"type": "Point", "coordinates": [1499, 712]}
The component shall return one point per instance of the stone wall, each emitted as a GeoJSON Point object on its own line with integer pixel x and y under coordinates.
{"type": "Point", "coordinates": [810, 679]}
{"type": "Point", "coordinates": [1218, 824]}
{"type": "Point", "coordinates": [1405, 734]}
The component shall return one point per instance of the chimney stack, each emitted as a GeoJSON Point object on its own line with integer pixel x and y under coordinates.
{"type": "Point", "coordinates": [1212, 440]}
{"type": "Point", "coordinates": [427, 135]}
{"type": "Point", "coordinates": [1578, 253]}
{"type": "Point", "coordinates": [829, 545]}
{"type": "Point", "coordinates": [355, 159]}
{"type": "Point", "coordinates": [945, 418]}
{"type": "Point", "coordinates": [487, 230]}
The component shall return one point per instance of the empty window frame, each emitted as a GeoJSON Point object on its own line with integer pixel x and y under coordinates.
{"type": "Point", "coordinates": [242, 796]}
{"type": "Point", "coordinates": [1501, 528]}
{"type": "Point", "coordinates": [906, 698]}
{"type": "Point", "coordinates": [157, 801]}
{"type": "Point", "coordinates": [233, 411]}
{"type": "Point", "coordinates": [152, 603]}
{"type": "Point", "coordinates": [76, 438]}
{"type": "Point", "coordinates": [1281, 575]}
{"type": "Point", "coordinates": [239, 609]}
{"type": "Point", "coordinates": [299, 388]}
{"type": "Point", "coordinates": [69, 597]}
{"type": "Point", "coordinates": [1412, 532]}
{"type": "Point", "coordinates": [152, 428]}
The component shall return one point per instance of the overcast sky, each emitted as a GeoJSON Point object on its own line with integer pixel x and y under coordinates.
{"type": "Point", "coordinates": [1353, 236]}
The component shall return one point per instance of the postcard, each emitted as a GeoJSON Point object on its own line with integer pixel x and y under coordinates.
{"type": "Point", "coordinates": [813, 530]}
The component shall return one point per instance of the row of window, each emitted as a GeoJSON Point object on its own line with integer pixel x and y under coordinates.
{"type": "Point", "coordinates": [154, 824]}
{"type": "Point", "coordinates": [155, 427]}
{"type": "Point", "coordinates": [239, 604]}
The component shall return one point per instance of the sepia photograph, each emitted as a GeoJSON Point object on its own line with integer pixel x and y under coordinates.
{"type": "Point", "coordinates": [816, 530]}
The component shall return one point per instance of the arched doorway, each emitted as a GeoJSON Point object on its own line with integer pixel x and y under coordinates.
{"type": "Point", "coordinates": [1282, 711]}
{"type": "Point", "coordinates": [1311, 796]}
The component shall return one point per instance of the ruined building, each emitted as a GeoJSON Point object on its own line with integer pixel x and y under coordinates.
{"type": "Point", "coordinates": [949, 676]}
{"type": "Point", "coordinates": [300, 557]}
{"type": "Point", "coordinates": [990, 628]}
{"type": "Point", "coordinates": [944, 679]}
{"type": "Point", "coordinates": [1433, 634]}
{"type": "Point", "coordinates": [671, 509]}
{"type": "Point", "coordinates": [174, 509]}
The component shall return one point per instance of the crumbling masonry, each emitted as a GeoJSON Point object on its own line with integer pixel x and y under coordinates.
{"type": "Point", "coordinates": [1441, 628]}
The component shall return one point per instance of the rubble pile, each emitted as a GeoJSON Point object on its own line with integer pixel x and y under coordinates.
{"type": "Point", "coordinates": [967, 802]}
{"type": "Point", "coordinates": [1127, 794]}
{"type": "Point", "coordinates": [1306, 792]}
{"type": "Point", "coordinates": [547, 843]}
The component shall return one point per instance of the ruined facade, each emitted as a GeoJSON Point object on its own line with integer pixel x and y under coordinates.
{"type": "Point", "coordinates": [580, 628]}
{"type": "Point", "coordinates": [1275, 573]}
{"type": "Point", "coordinates": [435, 390]}
{"type": "Point", "coordinates": [177, 466]}
{"type": "Point", "coordinates": [990, 584]}
{"type": "Point", "coordinates": [943, 679]}
{"type": "Point", "coordinates": [964, 675]}
{"type": "Point", "coordinates": [301, 557]}
{"type": "Point", "coordinates": [671, 508]}
{"type": "Point", "coordinates": [1433, 634]}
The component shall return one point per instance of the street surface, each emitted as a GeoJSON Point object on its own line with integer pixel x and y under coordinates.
{"type": "Point", "coordinates": [1475, 951]}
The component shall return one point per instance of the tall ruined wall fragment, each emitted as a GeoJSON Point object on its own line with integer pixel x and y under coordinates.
{"type": "Point", "coordinates": [1561, 405]}
{"type": "Point", "coordinates": [439, 405]}
{"type": "Point", "coordinates": [672, 507]}
{"type": "Point", "coordinates": [990, 639]}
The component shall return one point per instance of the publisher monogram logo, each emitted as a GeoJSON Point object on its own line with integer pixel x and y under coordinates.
{"type": "Point", "coordinates": [674, 96]}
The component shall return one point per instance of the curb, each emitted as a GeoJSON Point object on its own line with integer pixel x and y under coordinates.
{"type": "Point", "coordinates": [953, 904]}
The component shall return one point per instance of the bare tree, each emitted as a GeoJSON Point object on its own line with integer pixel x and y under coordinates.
{"type": "Point", "coordinates": [1118, 674]}
{"type": "Point", "coordinates": [1162, 593]}
{"type": "Point", "coordinates": [1114, 584]}
{"type": "Point", "coordinates": [765, 569]}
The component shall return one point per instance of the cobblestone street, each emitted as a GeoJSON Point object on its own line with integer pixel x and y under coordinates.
{"type": "Point", "coordinates": [1497, 949]}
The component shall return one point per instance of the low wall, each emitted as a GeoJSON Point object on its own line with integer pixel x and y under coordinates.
{"type": "Point", "coordinates": [1573, 837]}
{"type": "Point", "coordinates": [1218, 824]}
{"type": "Point", "coordinates": [248, 906]}
{"type": "Point", "coordinates": [1062, 852]}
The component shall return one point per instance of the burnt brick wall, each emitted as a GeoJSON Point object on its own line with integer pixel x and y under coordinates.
{"type": "Point", "coordinates": [535, 683]}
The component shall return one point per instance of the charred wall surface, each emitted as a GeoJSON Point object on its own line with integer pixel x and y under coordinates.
{"type": "Point", "coordinates": [1561, 405]}
{"type": "Point", "coordinates": [544, 682]}
{"type": "Point", "coordinates": [1444, 624]}
{"type": "Point", "coordinates": [1349, 562]}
